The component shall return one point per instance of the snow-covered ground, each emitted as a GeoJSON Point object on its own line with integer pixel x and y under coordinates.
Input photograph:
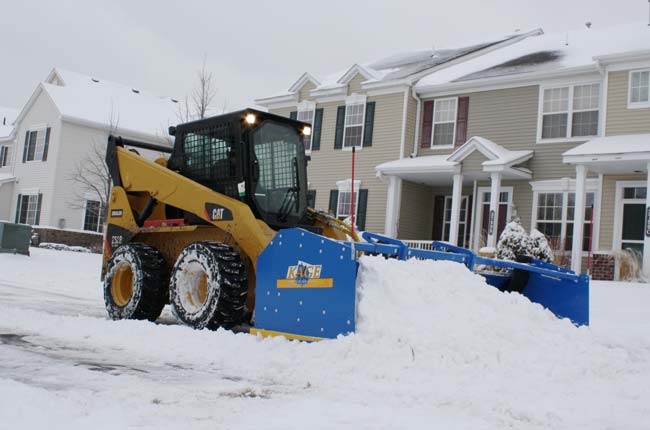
{"type": "Point", "coordinates": [434, 348]}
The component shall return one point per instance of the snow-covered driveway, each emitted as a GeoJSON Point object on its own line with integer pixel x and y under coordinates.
{"type": "Point", "coordinates": [434, 348]}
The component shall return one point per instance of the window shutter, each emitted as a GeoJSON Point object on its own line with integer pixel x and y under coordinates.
{"type": "Point", "coordinates": [293, 115]}
{"type": "Point", "coordinates": [438, 214]}
{"type": "Point", "coordinates": [18, 205]}
{"type": "Point", "coordinates": [340, 124]}
{"type": "Point", "coordinates": [25, 148]}
{"type": "Point", "coordinates": [47, 144]}
{"type": "Point", "coordinates": [311, 198]}
{"type": "Point", "coordinates": [461, 120]}
{"type": "Point", "coordinates": [361, 210]}
{"type": "Point", "coordinates": [334, 201]}
{"type": "Point", "coordinates": [369, 123]}
{"type": "Point", "coordinates": [427, 124]}
{"type": "Point", "coordinates": [38, 209]}
{"type": "Point", "coordinates": [3, 156]}
{"type": "Point", "coordinates": [318, 126]}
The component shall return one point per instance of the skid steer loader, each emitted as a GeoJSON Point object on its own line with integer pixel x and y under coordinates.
{"type": "Point", "coordinates": [221, 231]}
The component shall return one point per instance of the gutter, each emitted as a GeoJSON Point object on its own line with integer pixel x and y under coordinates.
{"type": "Point", "coordinates": [417, 123]}
{"type": "Point", "coordinates": [132, 133]}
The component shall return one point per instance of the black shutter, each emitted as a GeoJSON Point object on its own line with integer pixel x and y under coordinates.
{"type": "Point", "coordinates": [38, 209]}
{"type": "Point", "coordinates": [438, 217]}
{"type": "Point", "coordinates": [334, 201]}
{"type": "Point", "coordinates": [311, 198]}
{"type": "Point", "coordinates": [369, 123]}
{"type": "Point", "coordinates": [47, 144]}
{"type": "Point", "coordinates": [18, 205]}
{"type": "Point", "coordinates": [461, 120]}
{"type": "Point", "coordinates": [427, 124]}
{"type": "Point", "coordinates": [340, 124]}
{"type": "Point", "coordinates": [318, 126]}
{"type": "Point", "coordinates": [361, 210]}
{"type": "Point", "coordinates": [25, 148]}
{"type": "Point", "coordinates": [293, 115]}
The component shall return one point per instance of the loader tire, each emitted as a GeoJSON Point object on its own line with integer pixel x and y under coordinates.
{"type": "Point", "coordinates": [134, 285]}
{"type": "Point", "coordinates": [208, 286]}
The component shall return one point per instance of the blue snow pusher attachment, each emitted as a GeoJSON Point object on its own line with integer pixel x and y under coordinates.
{"type": "Point", "coordinates": [306, 282]}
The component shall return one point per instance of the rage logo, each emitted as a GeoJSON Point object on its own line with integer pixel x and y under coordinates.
{"type": "Point", "coordinates": [305, 275]}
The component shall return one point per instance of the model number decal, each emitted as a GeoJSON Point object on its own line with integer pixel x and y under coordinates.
{"type": "Point", "coordinates": [216, 212]}
{"type": "Point", "coordinates": [116, 241]}
{"type": "Point", "coordinates": [116, 213]}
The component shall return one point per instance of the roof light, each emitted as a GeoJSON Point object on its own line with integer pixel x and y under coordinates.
{"type": "Point", "coordinates": [306, 131]}
{"type": "Point", "coordinates": [251, 118]}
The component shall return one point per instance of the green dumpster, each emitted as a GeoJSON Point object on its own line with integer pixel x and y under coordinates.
{"type": "Point", "coordinates": [15, 238]}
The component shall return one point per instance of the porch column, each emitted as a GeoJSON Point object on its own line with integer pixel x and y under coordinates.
{"type": "Point", "coordinates": [578, 219]}
{"type": "Point", "coordinates": [456, 198]}
{"type": "Point", "coordinates": [393, 203]}
{"type": "Point", "coordinates": [493, 220]}
{"type": "Point", "coordinates": [646, 237]}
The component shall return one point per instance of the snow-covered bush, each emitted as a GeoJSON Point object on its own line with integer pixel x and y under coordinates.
{"type": "Point", "coordinates": [513, 241]}
{"type": "Point", "coordinates": [541, 250]}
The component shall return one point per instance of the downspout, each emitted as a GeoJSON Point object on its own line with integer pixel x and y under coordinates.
{"type": "Point", "coordinates": [402, 142]}
{"type": "Point", "coordinates": [472, 224]}
{"type": "Point", "coordinates": [417, 124]}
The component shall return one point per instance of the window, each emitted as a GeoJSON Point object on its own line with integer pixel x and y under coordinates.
{"type": "Point", "coordinates": [569, 112]}
{"type": "Point", "coordinates": [639, 88]}
{"type": "Point", "coordinates": [29, 208]}
{"type": "Point", "coordinates": [444, 122]}
{"type": "Point", "coordinates": [94, 216]}
{"type": "Point", "coordinates": [554, 218]}
{"type": "Point", "coordinates": [306, 114]}
{"type": "Point", "coordinates": [344, 204]}
{"type": "Point", "coordinates": [354, 117]}
{"type": "Point", "coordinates": [36, 142]}
{"type": "Point", "coordinates": [4, 156]}
{"type": "Point", "coordinates": [462, 224]}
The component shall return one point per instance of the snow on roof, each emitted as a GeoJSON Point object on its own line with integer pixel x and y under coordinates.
{"type": "Point", "coordinates": [497, 155]}
{"type": "Point", "coordinates": [104, 103]}
{"type": "Point", "coordinates": [429, 162]}
{"type": "Point", "coordinates": [7, 118]}
{"type": "Point", "coordinates": [624, 144]}
{"type": "Point", "coordinates": [401, 65]}
{"type": "Point", "coordinates": [6, 177]}
{"type": "Point", "coordinates": [548, 52]}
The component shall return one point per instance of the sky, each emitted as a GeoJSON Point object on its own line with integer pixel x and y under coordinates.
{"type": "Point", "coordinates": [255, 48]}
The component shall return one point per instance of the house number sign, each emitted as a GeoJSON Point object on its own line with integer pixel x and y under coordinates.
{"type": "Point", "coordinates": [491, 223]}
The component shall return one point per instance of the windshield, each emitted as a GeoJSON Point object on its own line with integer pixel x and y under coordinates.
{"type": "Point", "coordinates": [280, 183]}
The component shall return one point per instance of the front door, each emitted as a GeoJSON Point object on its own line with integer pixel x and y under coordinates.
{"type": "Point", "coordinates": [505, 201]}
{"type": "Point", "coordinates": [633, 219]}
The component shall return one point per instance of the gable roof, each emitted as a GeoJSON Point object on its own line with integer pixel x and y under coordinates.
{"type": "Point", "coordinates": [402, 67]}
{"type": "Point", "coordinates": [577, 50]}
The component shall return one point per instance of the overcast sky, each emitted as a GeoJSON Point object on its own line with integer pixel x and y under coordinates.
{"type": "Point", "coordinates": [255, 48]}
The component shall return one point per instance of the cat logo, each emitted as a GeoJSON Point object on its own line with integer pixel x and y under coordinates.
{"type": "Point", "coordinates": [305, 275]}
{"type": "Point", "coordinates": [215, 212]}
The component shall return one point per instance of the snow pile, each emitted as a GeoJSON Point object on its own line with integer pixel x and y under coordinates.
{"type": "Point", "coordinates": [62, 247]}
{"type": "Point", "coordinates": [435, 347]}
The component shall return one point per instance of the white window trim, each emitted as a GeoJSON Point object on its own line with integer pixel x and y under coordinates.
{"type": "Point", "coordinates": [9, 156]}
{"type": "Point", "coordinates": [32, 192]}
{"type": "Point", "coordinates": [571, 85]}
{"type": "Point", "coordinates": [345, 186]}
{"type": "Point", "coordinates": [480, 195]}
{"type": "Point", "coordinates": [307, 105]}
{"type": "Point", "coordinates": [565, 186]}
{"type": "Point", "coordinates": [433, 124]}
{"type": "Point", "coordinates": [354, 99]}
{"type": "Point", "coordinates": [38, 128]}
{"type": "Point", "coordinates": [87, 197]}
{"type": "Point", "coordinates": [618, 210]}
{"type": "Point", "coordinates": [449, 198]}
{"type": "Point", "coordinates": [630, 103]}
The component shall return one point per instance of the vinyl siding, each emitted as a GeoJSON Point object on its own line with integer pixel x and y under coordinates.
{"type": "Point", "coordinates": [411, 117]}
{"type": "Point", "coordinates": [473, 163]}
{"type": "Point", "coordinates": [38, 174]}
{"type": "Point", "coordinates": [608, 206]}
{"type": "Point", "coordinates": [327, 166]}
{"type": "Point", "coordinates": [354, 86]}
{"type": "Point", "coordinates": [303, 94]}
{"type": "Point", "coordinates": [620, 119]}
{"type": "Point", "coordinates": [6, 194]}
{"type": "Point", "coordinates": [416, 212]}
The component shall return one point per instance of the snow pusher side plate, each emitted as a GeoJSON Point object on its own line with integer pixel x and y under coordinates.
{"type": "Point", "coordinates": [305, 287]}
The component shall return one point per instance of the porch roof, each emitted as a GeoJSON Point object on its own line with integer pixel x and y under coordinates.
{"type": "Point", "coordinates": [6, 177]}
{"type": "Point", "coordinates": [628, 153]}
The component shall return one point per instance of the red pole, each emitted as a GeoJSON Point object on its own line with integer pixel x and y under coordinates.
{"type": "Point", "coordinates": [591, 239]}
{"type": "Point", "coordinates": [352, 194]}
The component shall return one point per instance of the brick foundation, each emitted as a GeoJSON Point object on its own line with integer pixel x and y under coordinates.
{"type": "Point", "coordinates": [92, 241]}
{"type": "Point", "coordinates": [602, 267]}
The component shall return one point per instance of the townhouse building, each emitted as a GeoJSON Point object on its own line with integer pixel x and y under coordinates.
{"type": "Point", "coordinates": [65, 123]}
{"type": "Point", "coordinates": [553, 129]}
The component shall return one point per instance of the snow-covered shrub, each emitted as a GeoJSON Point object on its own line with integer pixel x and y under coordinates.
{"type": "Point", "coordinates": [514, 241]}
{"type": "Point", "coordinates": [541, 250]}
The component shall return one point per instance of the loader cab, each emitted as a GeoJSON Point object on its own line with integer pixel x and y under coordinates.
{"type": "Point", "coordinates": [252, 156]}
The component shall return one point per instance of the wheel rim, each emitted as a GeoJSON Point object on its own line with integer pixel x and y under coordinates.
{"type": "Point", "coordinates": [122, 284]}
{"type": "Point", "coordinates": [193, 287]}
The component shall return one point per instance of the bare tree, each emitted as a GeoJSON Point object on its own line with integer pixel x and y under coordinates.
{"type": "Point", "coordinates": [197, 105]}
